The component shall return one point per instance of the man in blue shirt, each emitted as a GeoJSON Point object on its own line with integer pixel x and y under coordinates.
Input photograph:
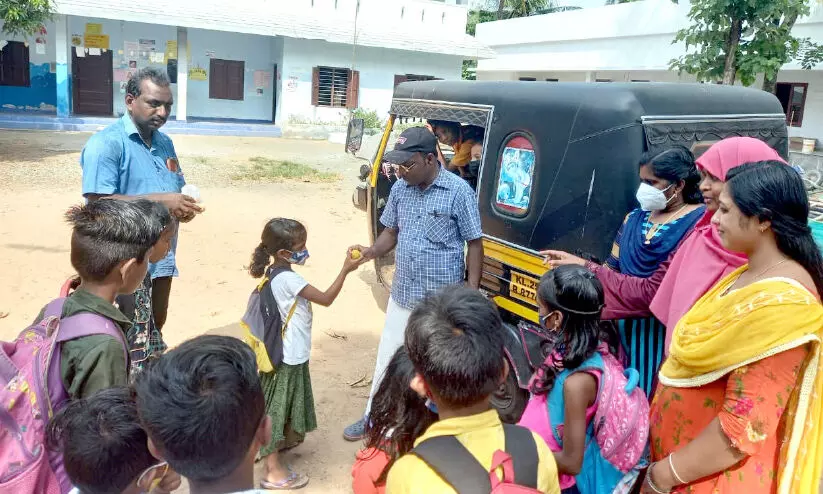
{"type": "Point", "coordinates": [431, 215]}
{"type": "Point", "coordinates": [132, 159]}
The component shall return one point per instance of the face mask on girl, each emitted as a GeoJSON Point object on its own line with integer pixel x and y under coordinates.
{"type": "Point", "coordinates": [299, 258]}
{"type": "Point", "coordinates": [651, 198]}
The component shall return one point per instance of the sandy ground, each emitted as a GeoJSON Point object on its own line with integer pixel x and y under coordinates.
{"type": "Point", "coordinates": [40, 178]}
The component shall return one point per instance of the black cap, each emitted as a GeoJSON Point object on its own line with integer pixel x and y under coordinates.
{"type": "Point", "coordinates": [412, 140]}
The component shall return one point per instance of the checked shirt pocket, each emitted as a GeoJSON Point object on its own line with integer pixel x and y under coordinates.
{"type": "Point", "coordinates": [441, 229]}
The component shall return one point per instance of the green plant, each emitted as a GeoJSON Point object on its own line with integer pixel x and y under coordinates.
{"type": "Point", "coordinates": [370, 118]}
{"type": "Point", "coordinates": [263, 169]}
{"type": "Point", "coordinates": [25, 17]}
{"type": "Point", "coordinates": [731, 39]}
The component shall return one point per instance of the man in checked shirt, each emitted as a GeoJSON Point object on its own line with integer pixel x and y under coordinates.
{"type": "Point", "coordinates": [430, 216]}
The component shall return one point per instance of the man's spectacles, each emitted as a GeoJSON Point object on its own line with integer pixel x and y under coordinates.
{"type": "Point", "coordinates": [405, 167]}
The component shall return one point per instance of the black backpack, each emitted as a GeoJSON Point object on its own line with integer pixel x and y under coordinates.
{"type": "Point", "coordinates": [461, 470]}
{"type": "Point", "coordinates": [263, 325]}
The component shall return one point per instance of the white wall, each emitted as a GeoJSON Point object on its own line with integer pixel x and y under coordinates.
{"type": "Point", "coordinates": [256, 51]}
{"type": "Point", "coordinates": [812, 118]}
{"type": "Point", "coordinates": [631, 36]}
{"type": "Point", "coordinates": [813, 114]}
{"type": "Point", "coordinates": [377, 70]}
{"type": "Point", "coordinates": [409, 14]}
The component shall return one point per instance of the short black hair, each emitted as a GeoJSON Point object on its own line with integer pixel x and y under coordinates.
{"type": "Point", "coordinates": [201, 404]}
{"type": "Point", "coordinates": [107, 232]}
{"type": "Point", "coordinates": [157, 76]}
{"type": "Point", "coordinates": [159, 212]}
{"type": "Point", "coordinates": [455, 341]}
{"type": "Point", "coordinates": [103, 444]}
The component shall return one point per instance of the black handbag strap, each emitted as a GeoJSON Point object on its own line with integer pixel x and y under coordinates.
{"type": "Point", "coordinates": [461, 470]}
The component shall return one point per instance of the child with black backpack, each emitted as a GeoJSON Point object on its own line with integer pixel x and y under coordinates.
{"type": "Point", "coordinates": [585, 405]}
{"type": "Point", "coordinates": [282, 340]}
{"type": "Point", "coordinates": [455, 341]}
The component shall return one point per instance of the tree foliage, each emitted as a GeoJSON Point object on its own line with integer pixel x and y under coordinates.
{"type": "Point", "coordinates": [739, 39]}
{"type": "Point", "coordinates": [24, 17]}
{"type": "Point", "coordinates": [810, 54]}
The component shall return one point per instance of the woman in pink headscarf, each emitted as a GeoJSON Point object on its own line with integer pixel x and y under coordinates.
{"type": "Point", "coordinates": [698, 263]}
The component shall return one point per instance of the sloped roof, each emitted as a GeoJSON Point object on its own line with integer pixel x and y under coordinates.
{"type": "Point", "coordinates": [270, 20]}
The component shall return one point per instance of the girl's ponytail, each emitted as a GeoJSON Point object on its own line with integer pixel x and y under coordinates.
{"type": "Point", "coordinates": [259, 261]}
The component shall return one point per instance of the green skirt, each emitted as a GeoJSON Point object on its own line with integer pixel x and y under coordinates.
{"type": "Point", "coordinates": [290, 404]}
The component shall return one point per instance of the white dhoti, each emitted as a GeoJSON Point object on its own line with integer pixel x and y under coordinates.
{"type": "Point", "coordinates": [392, 338]}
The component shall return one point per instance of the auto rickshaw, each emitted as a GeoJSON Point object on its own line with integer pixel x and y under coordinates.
{"type": "Point", "coordinates": [559, 171]}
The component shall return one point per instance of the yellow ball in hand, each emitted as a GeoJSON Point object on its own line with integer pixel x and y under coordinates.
{"type": "Point", "coordinates": [355, 254]}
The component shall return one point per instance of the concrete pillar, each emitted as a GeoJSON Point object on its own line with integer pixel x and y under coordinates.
{"type": "Point", "coordinates": [61, 38]}
{"type": "Point", "coordinates": [182, 72]}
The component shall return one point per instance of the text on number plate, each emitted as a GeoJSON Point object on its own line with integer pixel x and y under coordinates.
{"type": "Point", "coordinates": [523, 288]}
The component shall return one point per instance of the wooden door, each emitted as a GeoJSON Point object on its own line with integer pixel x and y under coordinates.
{"type": "Point", "coordinates": [92, 88]}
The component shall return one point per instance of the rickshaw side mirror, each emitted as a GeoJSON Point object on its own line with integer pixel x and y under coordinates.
{"type": "Point", "coordinates": [354, 135]}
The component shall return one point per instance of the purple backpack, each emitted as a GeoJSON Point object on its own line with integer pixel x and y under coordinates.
{"type": "Point", "coordinates": [31, 390]}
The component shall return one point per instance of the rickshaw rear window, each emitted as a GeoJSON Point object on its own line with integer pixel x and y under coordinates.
{"type": "Point", "coordinates": [515, 177]}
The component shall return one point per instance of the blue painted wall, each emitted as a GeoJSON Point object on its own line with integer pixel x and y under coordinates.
{"type": "Point", "coordinates": [41, 96]}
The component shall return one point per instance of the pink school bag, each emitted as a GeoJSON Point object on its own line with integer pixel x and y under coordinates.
{"type": "Point", "coordinates": [31, 390]}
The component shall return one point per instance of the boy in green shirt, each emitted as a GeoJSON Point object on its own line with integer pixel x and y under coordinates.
{"type": "Point", "coordinates": [110, 246]}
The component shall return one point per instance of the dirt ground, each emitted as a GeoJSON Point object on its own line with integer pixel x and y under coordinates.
{"type": "Point", "coordinates": [40, 179]}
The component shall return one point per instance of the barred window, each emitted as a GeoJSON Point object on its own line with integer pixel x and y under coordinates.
{"type": "Point", "coordinates": [335, 87]}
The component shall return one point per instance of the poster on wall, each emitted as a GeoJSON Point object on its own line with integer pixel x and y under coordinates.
{"type": "Point", "coordinates": [96, 41]}
{"type": "Point", "coordinates": [131, 48]}
{"type": "Point", "coordinates": [123, 87]}
{"type": "Point", "coordinates": [262, 78]}
{"type": "Point", "coordinates": [146, 45]}
{"type": "Point", "coordinates": [121, 75]}
{"type": "Point", "coordinates": [291, 84]}
{"type": "Point", "coordinates": [40, 48]}
{"type": "Point", "coordinates": [93, 28]}
{"type": "Point", "coordinates": [197, 74]}
{"type": "Point", "coordinates": [171, 50]}
{"type": "Point", "coordinates": [76, 39]}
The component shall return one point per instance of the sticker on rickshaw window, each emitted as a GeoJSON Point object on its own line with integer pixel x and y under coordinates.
{"type": "Point", "coordinates": [514, 181]}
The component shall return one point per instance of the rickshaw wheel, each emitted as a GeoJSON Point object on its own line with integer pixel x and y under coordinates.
{"type": "Point", "coordinates": [510, 400]}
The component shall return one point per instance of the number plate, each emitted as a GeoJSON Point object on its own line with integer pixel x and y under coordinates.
{"type": "Point", "coordinates": [523, 288]}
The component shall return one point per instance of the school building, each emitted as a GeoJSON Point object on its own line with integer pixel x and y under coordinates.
{"type": "Point", "coordinates": [632, 42]}
{"type": "Point", "coordinates": [301, 61]}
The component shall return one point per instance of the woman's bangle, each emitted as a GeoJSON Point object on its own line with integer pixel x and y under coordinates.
{"type": "Point", "coordinates": [651, 484]}
{"type": "Point", "coordinates": [674, 472]}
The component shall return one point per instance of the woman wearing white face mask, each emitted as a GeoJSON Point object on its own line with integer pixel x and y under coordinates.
{"type": "Point", "coordinates": [670, 205]}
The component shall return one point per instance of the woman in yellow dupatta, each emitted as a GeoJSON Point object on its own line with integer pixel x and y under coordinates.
{"type": "Point", "coordinates": [739, 408]}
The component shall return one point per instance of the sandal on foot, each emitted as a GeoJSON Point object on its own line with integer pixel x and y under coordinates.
{"type": "Point", "coordinates": [293, 482]}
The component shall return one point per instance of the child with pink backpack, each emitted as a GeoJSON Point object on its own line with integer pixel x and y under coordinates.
{"type": "Point", "coordinates": [587, 408]}
{"type": "Point", "coordinates": [77, 345]}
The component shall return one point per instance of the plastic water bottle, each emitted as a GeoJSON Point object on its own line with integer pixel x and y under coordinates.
{"type": "Point", "coordinates": [191, 191]}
